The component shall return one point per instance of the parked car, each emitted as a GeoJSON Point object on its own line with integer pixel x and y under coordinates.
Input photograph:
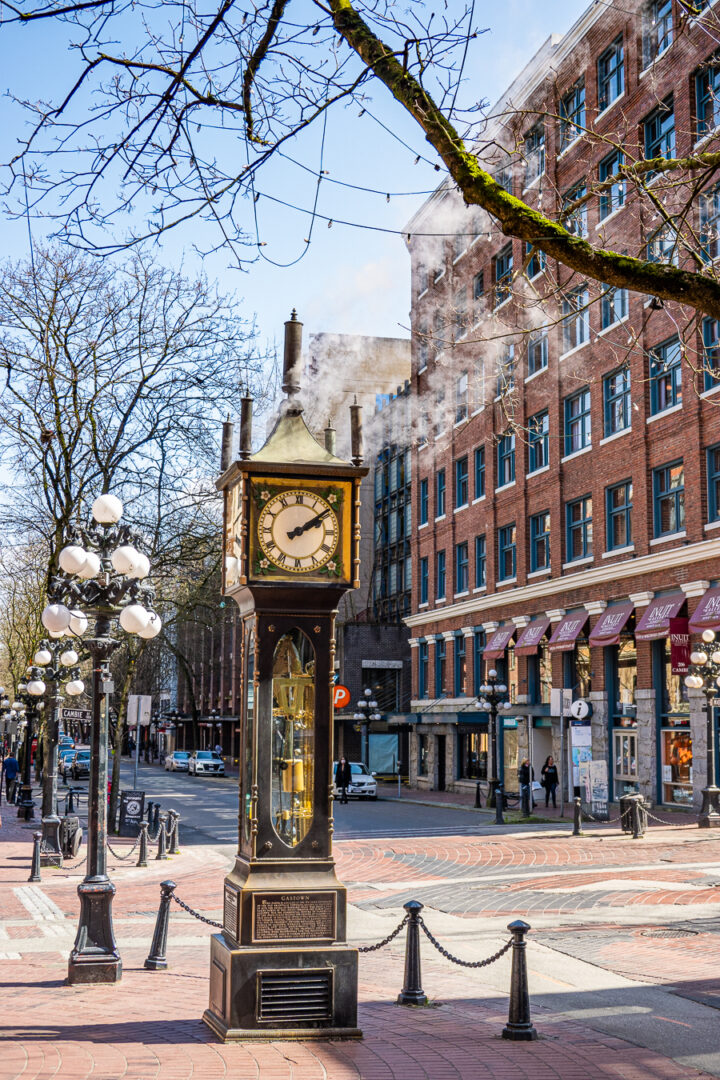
{"type": "Point", "coordinates": [177, 761]}
{"type": "Point", "coordinates": [65, 742]}
{"type": "Point", "coordinates": [80, 764]}
{"type": "Point", "coordinates": [205, 761]}
{"type": "Point", "coordinates": [363, 783]}
{"type": "Point", "coordinates": [65, 756]}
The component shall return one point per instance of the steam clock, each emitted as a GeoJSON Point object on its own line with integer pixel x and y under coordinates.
{"type": "Point", "coordinates": [281, 966]}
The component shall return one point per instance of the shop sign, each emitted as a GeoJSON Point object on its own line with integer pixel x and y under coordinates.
{"type": "Point", "coordinates": [510, 721]}
{"type": "Point", "coordinates": [679, 646]}
{"type": "Point", "coordinates": [599, 790]}
{"type": "Point", "coordinates": [132, 811]}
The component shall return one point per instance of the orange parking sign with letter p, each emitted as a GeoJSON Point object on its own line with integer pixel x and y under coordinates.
{"type": "Point", "coordinates": [341, 697]}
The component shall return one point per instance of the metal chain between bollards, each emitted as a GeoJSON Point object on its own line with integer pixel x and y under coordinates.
{"type": "Point", "coordinates": [454, 959]}
{"type": "Point", "coordinates": [127, 855]}
{"type": "Point", "coordinates": [606, 821]}
{"type": "Point", "coordinates": [195, 914]}
{"type": "Point", "coordinates": [385, 941]}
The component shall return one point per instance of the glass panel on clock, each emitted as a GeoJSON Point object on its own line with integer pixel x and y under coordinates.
{"type": "Point", "coordinates": [293, 735]}
{"type": "Point", "coordinates": [248, 722]}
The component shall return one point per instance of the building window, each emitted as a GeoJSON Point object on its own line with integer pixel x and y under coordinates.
{"type": "Point", "coordinates": [611, 75]}
{"type": "Point", "coordinates": [540, 541]}
{"type": "Point", "coordinates": [473, 755]}
{"type": "Point", "coordinates": [579, 528]}
{"type": "Point", "coordinates": [479, 462]}
{"type": "Point", "coordinates": [616, 402]}
{"type": "Point", "coordinates": [478, 286]}
{"type": "Point", "coordinates": [613, 196]}
{"type": "Point", "coordinates": [536, 262]}
{"type": "Point", "coordinates": [658, 29]}
{"type": "Point", "coordinates": [506, 552]}
{"type": "Point", "coordinates": [506, 370]}
{"type": "Point", "coordinates": [537, 358]}
{"type": "Point", "coordinates": [575, 221]}
{"type": "Point", "coordinates": [461, 397]}
{"type": "Point", "coordinates": [439, 667]}
{"type": "Point", "coordinates": [506, 459]}
{"type": "Point", "coordinates": [424, 575]}
{"type": "Point", "coordinates": [619, 515]}
{"type": "Point", "coordinates": [669, 499]}
{"type": "Point", "coordinates": [576, 322]}
{"type": "Point", "coordinates": [572, 114]}
{"type": "Point", "coordinates": [461, 481]}
{"type": "Point", "coordinates": [710, 224]}
{"type": "Point", "coordinates": [713, 479]}
{"type": "Point", "coordinates": [613, 306]}
{"type": "Point", "coordinates": [707, 97]}
{"type": "Point", "coordinates": [660, 131]}
{"type": "Point", "coordinates": [440, 493]}
{"type": "Point", "coordinates": [665, 376]}
{"type": "Point", "coordinates": [460, 318]}
{"type": "Point", "coordinates": [504, 177]}
{"type": "Point", "coordinates": [577, 421]}
{"type": "Point", "coordinates": [711, 352]}
{"type": "Point", "coordinates": [538, 441]}
{"type": "Point", "coordinates": [478, 647]}
{"type": "Point", "coordinates": [462, 568]}
{"type": "Point", "coordinates": [480, 562]}
{"type": "Point", "coordinates": [534, 153]}
{"type": "Point", "coordinates": [662, 247]}
{"type": "Point", "coordinates": [503, 274]}
{"type": "Point", "coordinates": [459, 666]}
{"type": "Point", "coordinates": [423, 502]}
{"type": "Point", "coordinates": [440, 575]}
{"type": "Point", "coordinates": [422, 670]}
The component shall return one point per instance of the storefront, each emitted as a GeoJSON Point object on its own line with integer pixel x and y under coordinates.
{"type": "Point", "coordinates": [472, 753]}
{"type": "Point", "coordinates": [533, 644]}
{"type": "Point", "coordinates": [614, 633]}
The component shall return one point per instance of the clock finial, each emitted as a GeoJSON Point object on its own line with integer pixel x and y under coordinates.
{"type": "Point", "coordinates": [356, 439]}
{"type": "Point", "coordinates": [246, 407]}
{"type": "Point", "coordinates": [292, 360]}
{"type": "Point", "coordinates": [330, 437]}
{"type": "Point", "coordinates": [228, 434]}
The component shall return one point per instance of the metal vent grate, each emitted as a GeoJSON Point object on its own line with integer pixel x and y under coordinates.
{"type": "Point", "coordinates": [668, 932]}
{"type": "Point", "coordinates": [294, 996]}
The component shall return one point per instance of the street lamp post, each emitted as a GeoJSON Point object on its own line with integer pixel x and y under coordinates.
{"type": "Point", "coordinates": [26, 808]}
{"type": "Point", "coordinates": [102, 576]}
{"type": "Point", "coordinates": [367, 710]}
{"type": "Point", "coordinates": [56, 662]}
{"type": "Point", "coordinates": [704, 675]}
{"type": "Point", "coordinates": [492, 700]}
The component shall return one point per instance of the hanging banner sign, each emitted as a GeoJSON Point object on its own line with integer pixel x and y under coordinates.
{"type": "Point", "coordinates": [679, 646]}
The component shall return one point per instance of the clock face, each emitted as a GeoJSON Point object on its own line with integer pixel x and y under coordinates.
{"type": "Point", "coordinates": [298, 531]}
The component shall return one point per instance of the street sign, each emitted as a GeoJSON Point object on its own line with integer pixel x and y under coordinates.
{"type": "Point", "coordinates": [76, 714]}
{"type": "Point", "coordinates": [132, 810]}
{"type": "Point", "coordinates": [341, 696]}
{"type": "Point", "coordinates": [581, 709]}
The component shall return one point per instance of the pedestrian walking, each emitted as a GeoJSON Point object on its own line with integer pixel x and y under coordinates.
{"type": "Point", "coordinates": [10, 770]}
{"type": "Point", "coordinates": [343, 776]}
{"type": "Point", "coordinates": [526, 775]}
{"type": "Point", "coordinates": [218, 749]}
{"type": "Point", "coordinates": [549, 779]}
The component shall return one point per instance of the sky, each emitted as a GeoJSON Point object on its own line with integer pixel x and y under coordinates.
{"type": "Point", "coordinates": [346, 280]}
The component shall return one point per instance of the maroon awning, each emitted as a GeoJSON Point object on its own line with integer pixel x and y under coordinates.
{"type": "Point", "coordinates": [655, 621]}
{"type": "Point", "coordinates": [498, 642]}
{"type": "Point", "coordinates": [707, 614]}
{"type": "Point", "coordinates": [608, 628]}
{"type": "Point", "coordinates": [567, 631]}
{"type": "Point", "coordinates": [529, 641]}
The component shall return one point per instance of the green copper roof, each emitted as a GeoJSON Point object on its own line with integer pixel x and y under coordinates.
{"type": "Point", "coordinates": [291, 441]}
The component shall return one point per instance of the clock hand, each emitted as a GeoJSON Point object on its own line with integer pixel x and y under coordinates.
{"type": "Point", "coordinates": [311, 524]}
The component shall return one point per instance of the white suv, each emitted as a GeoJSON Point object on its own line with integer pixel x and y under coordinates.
{"type": "Point", "coordinates": [363, 783]}
{"type": "Point", "coordinates": [205, 761]}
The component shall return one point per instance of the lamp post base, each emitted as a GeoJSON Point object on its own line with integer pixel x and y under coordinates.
{"type": "Point", "coordinates": [26, 809]}
{"type": "Point", "coordinates": [50, 850]}
{"type": "Point", "coordinates": [493, 785]}
{"type": "Point", "coordinates": [709, 816]}
{"type": "Point", "coordinates": [95, 958]}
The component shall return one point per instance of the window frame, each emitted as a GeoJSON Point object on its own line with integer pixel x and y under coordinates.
{"type": "Point", "coordinates": [423, 670]}
{"type": "Point", "coordinates": [534, 152]}
{"type": "Point", "coordinates": [424, 580]}
{"type": "Point", "coordinates": [538, 345]}
{"type": "Point", "coordinates": [507, 546]}
{"type": "Point", "coordinates": [503, 274]}
{"type": "Point", "coordinates": [614, 306]}
{"type": "Point", "coordinates": [440, 662]}
{"type": "Point", "coordinates": [658, 137]}
{"type": "Point", "coordinates": [655, 45]}
{"type": "Point", "coordinates": [582, 420]}
{"type": "Point", "coordinates": [423, 502]}
{"type": "Point", "coordinates": [613, 198]}
{"type": "Point", "coordinates": [575, 318]}
{"type": "Point", "coordinates": [713, 482]}
{"type": "Point", "coordinates": [462, 567]}
{"type": "Point", "coordinates": [572, 112]}
{"type": "Point", "coordinates": [675, 495]}
{"type": "Point", "coordinates": [462, 482]}
{"type": "Point", "coordinates": [479, 472]}
{"type": "Point", "coordinates": [540, 541]}
{"type": "Point", "coordinates": [440, 575]}
{"type": "Point", "coordinates": [607, 76]}
{"type": "Point", "coordinates": [622, 512]}
{"type": "Point", "coordinates": [711, 352]}
{"type": "Point", "coordinates": [440, 493]}
{"type": "Point", "coordinates": [506, 459]}
{"type": "Point", "coordinates": [480, 561]}
{"type": "Point", "coordinates": [610, 399]}
{"type": "Point", "coordinates": [538, 439]}
{"type": "Point", "coordinates": [710, 72]}
{"type": "Point", "coordinates": [665, 377]}
{"type": "Point", "coordinates": [583, 525]}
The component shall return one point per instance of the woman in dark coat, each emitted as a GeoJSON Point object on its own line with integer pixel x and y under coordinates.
{"type": "Point", "coordinates": [549, 779]}
{"type": "Point", "coordinates": [343, 776]}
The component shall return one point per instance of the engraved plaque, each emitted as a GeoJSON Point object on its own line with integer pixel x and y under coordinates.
{"type": "Point", "coordinates": [230, 912]}
{"type": "Point", "coordinates": [309, 916]}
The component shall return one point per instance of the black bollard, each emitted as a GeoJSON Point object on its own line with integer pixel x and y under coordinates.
{"type": "Point", "coordinates": [478, 804]}
{"type": "Point", "coordinates": [526, 800]}
{"type": "Point", "coordinates": [174, 843]}
{"type": "Point", "coordinates": [156, 816]}
{"type": "Point", "coordinates": [70, 802]}
{"type": "Point", "coordinates": [162, 849]}
{"type": "Point", "coordinates": [637, 816]}
{"type": "Point", "coordinates": [156, 959]}
{"type": "Point", "coordinates": [499, 799]}
{"type": "Point", "coordinates": [149, 812]}
{"type": "Point", "coordinates": [519, 1027]}
{"type": "Point", "coordinates": [35, 867]}
{"type": "Point", "coordinates": [577, 816]}
{"type": "Point", "coordinates": [412, 992]}
{"type": "Point", "coordinates": [143, 852]}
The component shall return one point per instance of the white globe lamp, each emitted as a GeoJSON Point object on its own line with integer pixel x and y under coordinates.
{"type": "Point", "coordinates": [72, 559]}
{"type": "Point", "coordinates": [42, 657]}
{"type": "Point", "coordinates": [74, 687]}
{"type": "Point", "coordinates": [78, 623]}
{"type": "Point", "coordinates": [107, 509]}
{"type": "Point", "coordinates": [125, 559]}
{"type": "Point", "coordinates": [36, 687]}
{"type": "Point", "coordinates": [152, 629]}
{"type": "Point", "coordinates": [91, 567]}
{"type": "Point", "coordinates": [69, 658]}
{"type": "Point", "coordinates": [56, 618]}
{"type": "Point", "coordinates": [142, 566]}
{"type": "Point", "coordinates": [134, 618]}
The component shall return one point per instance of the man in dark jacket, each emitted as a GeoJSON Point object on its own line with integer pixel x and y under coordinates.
{"type": "Point", "coordinates": [10, 770]}
{"type": "Point", "coordinates": [343, 776]}
{"type": "Point", "coordinates": [526, 775]}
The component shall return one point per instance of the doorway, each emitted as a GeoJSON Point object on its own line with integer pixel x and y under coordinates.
{"type": "Point", "coordinates": [440, 762]}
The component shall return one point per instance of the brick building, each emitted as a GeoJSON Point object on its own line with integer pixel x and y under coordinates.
{"type": "Point", "coordinates": [566, 470]}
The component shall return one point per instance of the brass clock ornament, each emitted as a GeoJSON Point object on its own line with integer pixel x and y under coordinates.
{"type": "Point", "coordinates": [298, 530]}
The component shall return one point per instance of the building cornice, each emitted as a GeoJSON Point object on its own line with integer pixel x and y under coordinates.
{"type": "Point", "coordinates": [555, 587]}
